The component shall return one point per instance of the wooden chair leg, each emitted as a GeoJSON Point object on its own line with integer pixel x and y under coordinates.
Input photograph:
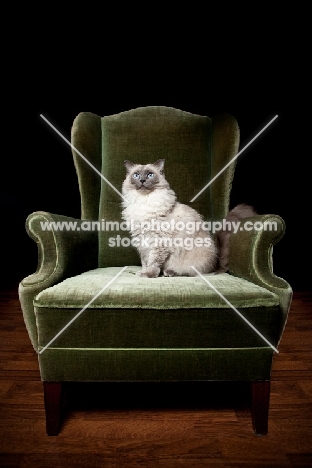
{"type": "Point", "coordinates": [260, 397]}
{"type": "Point", "coordinates": [53, 406]}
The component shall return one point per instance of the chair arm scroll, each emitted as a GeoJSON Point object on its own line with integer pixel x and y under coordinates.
{"type": "Point", "coordinates": [64, 250]}
{"type": "Point", "coordinates": [251, 257]}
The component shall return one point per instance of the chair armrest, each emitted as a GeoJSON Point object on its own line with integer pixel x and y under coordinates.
{"type": "Point", "coordinates": [250, 257]}
{"type": "Point", "coordinates": [61, 253]}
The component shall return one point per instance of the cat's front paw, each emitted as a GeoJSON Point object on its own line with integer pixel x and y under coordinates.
{"type": "Point", "coordinates": [151, 273]}
{"type": "Point", "coordinates": [170, 272]}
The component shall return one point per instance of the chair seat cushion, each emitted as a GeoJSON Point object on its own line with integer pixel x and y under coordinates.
{"type": "Point", "coordinates": [131, 291]}
{"type": "Point", "coordinates": [136, 312]}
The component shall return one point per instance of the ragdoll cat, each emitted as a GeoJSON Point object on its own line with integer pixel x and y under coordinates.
{"type": "Point", "coordinates": [162, 229]}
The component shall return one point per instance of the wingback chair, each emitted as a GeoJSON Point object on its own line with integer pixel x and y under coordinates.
{"type": "Point", "coordinates": [90, 318]}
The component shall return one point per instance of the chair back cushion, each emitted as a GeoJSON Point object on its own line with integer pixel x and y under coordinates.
{"type": "Point", "coordinates": [195, 148]}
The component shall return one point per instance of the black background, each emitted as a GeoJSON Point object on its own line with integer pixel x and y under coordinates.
{"type": "Point", "coordinates": [272, 174]}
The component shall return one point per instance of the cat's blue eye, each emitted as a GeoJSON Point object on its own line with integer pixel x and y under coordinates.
{"type": "Point", "coordinates": [150, 175]}
{"type": "Point", "coordinates": [135, 175]}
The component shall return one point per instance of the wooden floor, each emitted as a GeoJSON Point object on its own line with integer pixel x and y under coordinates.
{"type": "Point", "coordinates": [156, 425]}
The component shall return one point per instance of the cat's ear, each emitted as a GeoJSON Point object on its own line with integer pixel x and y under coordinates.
{"type": "Point", "coordinates": [160, 164]}
{"type": "Point", "coordinates": [128, 165]}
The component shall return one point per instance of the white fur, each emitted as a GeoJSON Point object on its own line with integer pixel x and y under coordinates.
{"type": "Point", "coordinates": [140, 207]}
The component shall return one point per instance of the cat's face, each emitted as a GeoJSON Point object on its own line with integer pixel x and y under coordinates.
{"type": "Point", "coordinates": [145, 178]}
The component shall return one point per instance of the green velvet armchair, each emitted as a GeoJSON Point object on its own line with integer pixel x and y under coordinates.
{"type": "Point", "coordinates": [89, 316]}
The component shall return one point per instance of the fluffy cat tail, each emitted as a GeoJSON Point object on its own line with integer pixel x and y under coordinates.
{"type": "Point", "coordinates": [223, 237]}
